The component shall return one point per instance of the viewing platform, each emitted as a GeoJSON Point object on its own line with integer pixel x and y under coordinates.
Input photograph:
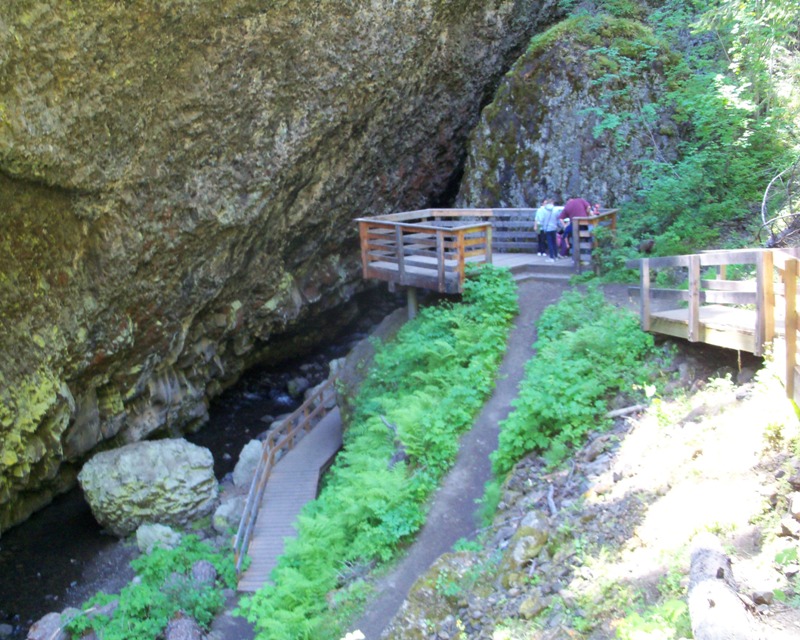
{"type": "Point", "coordinates": [430, 248]}
{"type": "Point", "coordinates": [753, 310]}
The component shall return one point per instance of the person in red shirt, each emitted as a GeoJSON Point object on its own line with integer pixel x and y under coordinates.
{"type": "Point", "coordinates": [574, 208]}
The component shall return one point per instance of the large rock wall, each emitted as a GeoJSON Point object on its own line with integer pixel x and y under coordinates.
{"type": "Point", "coordinates": [575, 117]}
{"type": "Point", "coordinates": [178, 180]}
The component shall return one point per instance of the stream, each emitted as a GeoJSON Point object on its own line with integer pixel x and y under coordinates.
{"type": "Point", "coordinates": [60, 556]}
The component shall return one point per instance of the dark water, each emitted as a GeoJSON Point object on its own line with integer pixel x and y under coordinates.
{"type": "Point", "coordinates": [60, 557]}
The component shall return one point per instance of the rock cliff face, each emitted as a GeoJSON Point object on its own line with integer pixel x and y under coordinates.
{"type": "Point", "coordinates": [177, 184]}
{"type": "Point", "coordinates": [574, 117]}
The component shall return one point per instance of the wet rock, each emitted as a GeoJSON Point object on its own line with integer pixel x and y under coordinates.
{"type": "Point", "coordinates": [150, 536]}
{"type": "Point", "coordinates": [50, 627]}
{"type": "Point", "coordinates": [297, 386]}
{"type": "Point", "coordinates": [165, 481]}
{"type": "Point", "coordinates": [245, 468]}
{"type": "Point", "coordinates": [228, 513]}
{"type": "Point", "coordinates": [6, 630]}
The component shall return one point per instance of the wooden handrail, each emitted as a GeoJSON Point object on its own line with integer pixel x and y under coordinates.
{"type": "Point", "coordinates": [582, 227]}
{"type": "Point", "coordinates": [409, 247]}
{"type": "Point", "coordinates": [760, 292]}
{"type": "Point", "coordinates": [278, 440]}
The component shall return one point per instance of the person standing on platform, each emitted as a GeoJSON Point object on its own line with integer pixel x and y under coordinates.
{"type": "Point", "coordinates": [541, 239]}
{"type": "Point", "coordinates": [574, 208]}
{"type": "Point", "coordinates": [550, 227]}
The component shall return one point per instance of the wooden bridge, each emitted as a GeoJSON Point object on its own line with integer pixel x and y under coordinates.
{"type": "Point", "coordinates": [293, 458]}
{"type": "Point", "coordinates": [752, 310]}
{"type": "Point", "coordinates": [430, 248]}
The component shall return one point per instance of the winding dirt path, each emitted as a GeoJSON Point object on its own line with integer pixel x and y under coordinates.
{"type": "Point", "coordinates": [453, 511]}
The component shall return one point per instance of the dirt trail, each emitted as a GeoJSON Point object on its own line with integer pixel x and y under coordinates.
{"type": "Point", "coordinates": [453, 512]}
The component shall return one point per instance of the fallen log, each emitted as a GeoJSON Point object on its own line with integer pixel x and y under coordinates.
{"type": "Point", "coordinates": [715, 608]}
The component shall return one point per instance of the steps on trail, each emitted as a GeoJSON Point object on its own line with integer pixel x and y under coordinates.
{"type": "Point", "coordinates": [561, 270]}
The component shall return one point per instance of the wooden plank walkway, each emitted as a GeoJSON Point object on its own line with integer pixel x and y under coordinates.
{"type": "Point", "coordinates": [757, 314]}
{"type": "Point", "coordinates": [292, 484]}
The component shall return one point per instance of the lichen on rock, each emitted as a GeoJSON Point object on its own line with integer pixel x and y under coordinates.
{"type": "Point", "coordinates": [178, 182]}
{"type": "Point", "coordinates": [166, 482]}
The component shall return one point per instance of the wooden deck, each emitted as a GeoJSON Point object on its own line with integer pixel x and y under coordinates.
{"type": "Point", "coordinates": [430, 248]}
{"type": "Point", "coordinates": [292, 483]}
{"type": "Point", "coordinates": [756, 312]}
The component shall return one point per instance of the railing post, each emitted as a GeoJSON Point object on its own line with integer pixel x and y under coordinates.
{"type": "Point", "coordinates": [489, 243]}
{"type": "Point", "coordinates": [400, 253]}
{"type": "Point", "coordinates": [644, 293]}
{"type": "Point", "coordinates": [440, 259]}
{"type": "Point", "coordinates": [460, 249]}
{"type": "Point", "coordinates": [790, 293]}
{"type": "Point", "coordinates": [363, 233]}
{"type": "Point", "coordinates": [694, 298]}
{"type": "Point", "coordinates": [765, 302]}
{"type": "Point", "coordinates": [576, 244]}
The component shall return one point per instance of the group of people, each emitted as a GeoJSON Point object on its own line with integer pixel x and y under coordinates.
{"type": "Point", "coordinates": [552, 221]}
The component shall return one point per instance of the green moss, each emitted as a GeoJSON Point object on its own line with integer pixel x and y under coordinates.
{"type": "Point", "coordinates": [584, 31]}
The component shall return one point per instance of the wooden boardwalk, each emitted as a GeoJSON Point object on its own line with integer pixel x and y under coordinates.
{"type": "Point", "coordinates": [292, 483]}
{"type": "Point", "coordinates": [755, 312]}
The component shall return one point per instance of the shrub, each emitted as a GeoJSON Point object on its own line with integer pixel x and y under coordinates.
{"type": "Point", "coordinates": [586, 350]}
{"type": "Point", "coordinates": [165, 588]}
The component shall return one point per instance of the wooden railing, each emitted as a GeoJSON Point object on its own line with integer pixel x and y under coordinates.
{"type": "Point", "coordinates": [430, 248]}
{"type": "Point", "coordinates": [743, 314]}
{"type": "Point", "coordinates": [584, 235]}
{"type": "Point", "coordinates": [425, 248]}
{"type": "Point", "coordinates": [277, 443]}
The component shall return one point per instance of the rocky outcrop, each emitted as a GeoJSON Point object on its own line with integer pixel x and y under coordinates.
{"type": "Point", "coordinates": [168, 482]}
{"type": "Point", "coordinates": [178, 182]}
{"type": "Point", "coordinates": [574, 117]}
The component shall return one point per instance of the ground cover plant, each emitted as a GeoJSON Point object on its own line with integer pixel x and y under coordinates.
{"type": "Point", "coordinates": [424, 390]}
{"type": "Point", "coordinates": [164, 589]}
{"type": "Point", "coordinates": [586, 351]}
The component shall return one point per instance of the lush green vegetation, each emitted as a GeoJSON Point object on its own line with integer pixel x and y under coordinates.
{"type": "Point", "coordinates": [423, 391]}
{"type": "Point", "coordinates": [165, 588]}
{"type": "Point", "coordinates": [586, 351]}
{"type": "Point", "coordinates": [733, 92]}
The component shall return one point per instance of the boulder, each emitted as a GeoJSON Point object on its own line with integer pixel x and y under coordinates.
{"type": "Point", "coordinates": [228, 513]}
{"type": "Point", "coordinates": [49, 627]}
{"type": "Point", "coordinates": [246, 466]}
{"type": "Point", "coordinates": [164, 481]}
{"type": "Point", "coordinates": [183, 629]}
{"type": "Point", "coordinates": [560, 124]}
{"type": "Point", "coordinates": [150, 536]}
{"type": "Point", "coordinates": [528, 541]}
{"type": "Point", "coordinates": [204, 573]}
{"type": "Point", "coordinates": [297, 386]}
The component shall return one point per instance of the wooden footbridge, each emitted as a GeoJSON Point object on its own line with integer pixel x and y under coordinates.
{"type": "Point", "coordinates": [293, 458]}
{"type": "Point", "coordinates": [744, 299]}
{"type": "Point", "coordinates": [430, 248]}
